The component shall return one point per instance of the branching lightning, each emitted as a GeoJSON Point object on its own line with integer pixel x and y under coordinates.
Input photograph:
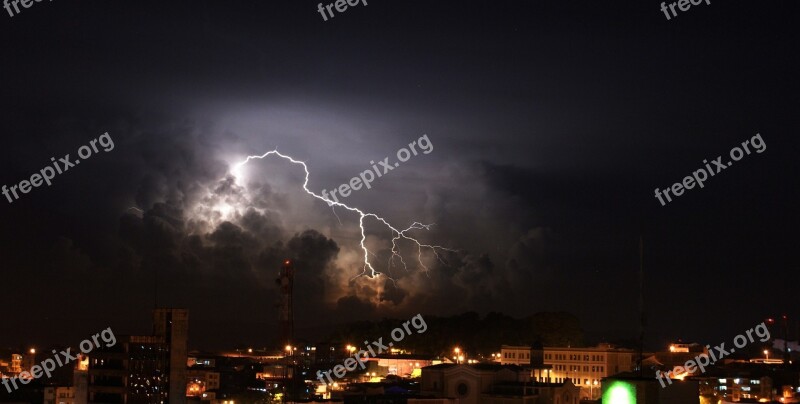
{"type": "Point", "coordinates": [397, 235]}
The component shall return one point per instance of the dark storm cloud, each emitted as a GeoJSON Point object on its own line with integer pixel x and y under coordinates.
{"type": "Point", "coordinates": [552, 123]}
{"type": "Point", "coordinates": [65, 256]}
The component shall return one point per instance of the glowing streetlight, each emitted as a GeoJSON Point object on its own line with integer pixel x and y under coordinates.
{"type": "Point", "coordinates": [458, 357]}
{"type": "Point", "coordinates": [766, 353]}
{"type": "Point", "coordinates": [33, 351]}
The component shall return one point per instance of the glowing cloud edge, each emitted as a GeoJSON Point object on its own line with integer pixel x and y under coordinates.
{"type": "Point", "coordinates": [398, 235]}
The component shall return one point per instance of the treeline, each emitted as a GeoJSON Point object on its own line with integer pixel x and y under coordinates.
{"type": "Point", "coordinates": [470, 332]}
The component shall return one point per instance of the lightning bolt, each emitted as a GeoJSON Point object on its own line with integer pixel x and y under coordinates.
{"type": "Point", "coordinates": [397, 234]}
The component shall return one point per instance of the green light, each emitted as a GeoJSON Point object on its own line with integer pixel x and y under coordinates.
{"type": "Point", "coordinates": [620, 393]}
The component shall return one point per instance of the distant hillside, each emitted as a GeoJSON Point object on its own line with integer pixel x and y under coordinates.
{"type": "Point", "coordinates": [471, 332]}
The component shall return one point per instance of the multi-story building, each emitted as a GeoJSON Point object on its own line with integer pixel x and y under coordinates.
{"type": "Point", "coordinates": [201, 381]}
{"type": "Point", "coordinates": [494, 384]}
{"type": "Point", "coordinates": [132, 371]}
{"type": "Point", "coordinates": [29, 360]}
{"type": "Point", "coordinates": [584, 367]}
{"type": "Point", "coordinates": [748, 382]}
{"type": "Point", "coordinates": [12, 367]}
{"type": "Point", "coordinates": [143, 369]}
{"type": "Point", "coordinates": [519, 355]}
{"type": "Point", "coordinates": [59, 395]}
{"type": "Point", "coordinates": [173, 326]}
{"type": "Point", "coordinates": [80, 380]}
{"type": "Point", "coordinates": [403, 365]}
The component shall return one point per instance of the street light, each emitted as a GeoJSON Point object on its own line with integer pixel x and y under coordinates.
{"type": "Point", "coordinates": [458, 357]}
{"type": "Point", "coordinates": [766, 352]}
{"type": "Point", "coordinates": [591, 389]}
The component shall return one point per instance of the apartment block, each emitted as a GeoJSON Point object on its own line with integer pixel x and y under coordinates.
{"type": "Point", "coordinates": [584, 367]}
{"type": "Point", "coordinates": [143, 369]}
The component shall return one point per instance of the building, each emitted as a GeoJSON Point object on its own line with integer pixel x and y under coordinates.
{"type": "Point", "coordinates": [59, 395]}
{"type": "Point", "coordinates": [403, 365]}
{"type": "Point", "coordinates": [494, 384]}
{"type": "Point", "coordinates": [11, 367]}
{"type": "Point", "coordinates": [28, 360]}
{"type": "Point", "coordinates": [672, 360]}
{"type": "Point", "coordinates": [532, 393]}
{"type": "Point", "coordinates": [80, 380]}
{"type": "Point", "coordinates": [584, 367]}
{"type": "Point", "coordinates": [143, 369]}
{"type": "Point", "coordinates": [742, 381]}
{"type": "Point", "coordinates": [519, 355]}
{"type": "Point", "coordinates": [173, 326]}
{"type": "Point", "coordinates": [200, 382]}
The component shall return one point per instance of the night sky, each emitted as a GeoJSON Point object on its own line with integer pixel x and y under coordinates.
{"type": "Point", "coordinates": [551, 125]}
